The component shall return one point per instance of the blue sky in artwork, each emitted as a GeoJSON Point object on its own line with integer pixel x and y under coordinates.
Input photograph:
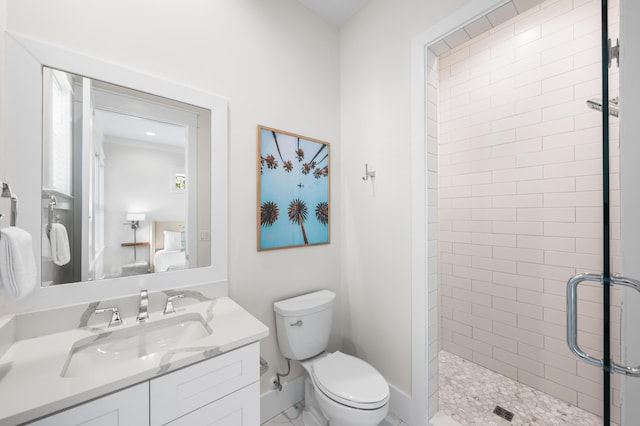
{"type": "Point", "coordinates": [281, 187]}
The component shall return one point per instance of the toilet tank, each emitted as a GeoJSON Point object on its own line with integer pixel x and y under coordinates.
{"type": "Point", "coordinates": [303, 324]}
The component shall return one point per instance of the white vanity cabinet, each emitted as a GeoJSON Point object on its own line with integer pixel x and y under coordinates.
{"type": "Point", "coordinates": [221, 391]}
{"type": "Point", "coordinates": [210, 392]}
{"type": "Point", "coordinates": [237, 409]}
{"type": "Point", "coordinates": [128, 407]}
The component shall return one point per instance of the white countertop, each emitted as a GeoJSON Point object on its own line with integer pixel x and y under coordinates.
{"type": "Point", "coordinates": [31, 385]}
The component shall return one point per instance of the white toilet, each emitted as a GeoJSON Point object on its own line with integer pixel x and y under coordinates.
{"type": "Point", "coordinates": [340, 390]}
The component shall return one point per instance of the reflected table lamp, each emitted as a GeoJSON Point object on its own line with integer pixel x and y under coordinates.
{"type": "Point", "coordinates": [134, 219]}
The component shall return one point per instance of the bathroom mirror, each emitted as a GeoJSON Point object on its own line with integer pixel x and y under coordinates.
{"type": "Point", "coordinates": [106, 89]}
{"type": "Point", "coordinates": [125, 182]}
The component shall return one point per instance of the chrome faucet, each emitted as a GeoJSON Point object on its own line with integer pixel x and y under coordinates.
{"type": "Point", "coordinates": [143, 314]}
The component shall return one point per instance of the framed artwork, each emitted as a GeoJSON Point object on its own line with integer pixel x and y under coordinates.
{"type": "Point", "coordinates": [177, 181]}
{"type": "Point", "coordinates": [293, 190]}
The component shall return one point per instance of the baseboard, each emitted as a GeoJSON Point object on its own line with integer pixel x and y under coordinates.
{"type": "Point", "coordinates": [274, 402]}
{"type": "Point", "coordinates": [399, 404]}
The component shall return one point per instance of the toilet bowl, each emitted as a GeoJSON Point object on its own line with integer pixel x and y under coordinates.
{"type": "Point", "coordinates": [340, 389]}
{"type": "Point", "coordinates": [347, 390]}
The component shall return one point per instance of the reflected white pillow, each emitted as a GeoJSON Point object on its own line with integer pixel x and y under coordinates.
{"type": "Point", "coordinates": [173, 240]}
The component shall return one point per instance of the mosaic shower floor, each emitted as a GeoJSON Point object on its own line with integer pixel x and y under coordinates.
{"type": "Point", "coordinates": [469, 393]}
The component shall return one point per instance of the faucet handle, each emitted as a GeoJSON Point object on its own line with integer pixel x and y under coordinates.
{"type": "Point", "coordinates": [115, 315]}
{"type": "Point", "coordinates": [169, 309]}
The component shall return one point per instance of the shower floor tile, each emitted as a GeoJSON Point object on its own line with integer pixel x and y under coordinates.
{"type": "Point", "coordinates": [469, 393]}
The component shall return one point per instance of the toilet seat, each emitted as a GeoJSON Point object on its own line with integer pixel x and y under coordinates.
{"type": "Point", "coordinates": [350, 381]}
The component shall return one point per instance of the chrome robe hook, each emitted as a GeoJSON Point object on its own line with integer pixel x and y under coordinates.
{"type": "Point", "coordinates": [367, 173]}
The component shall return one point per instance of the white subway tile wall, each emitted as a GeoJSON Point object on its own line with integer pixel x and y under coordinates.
{"type": "Point", "coordinates": [432, 248]}
{"type": "Point", "coordinates": [519, 196]}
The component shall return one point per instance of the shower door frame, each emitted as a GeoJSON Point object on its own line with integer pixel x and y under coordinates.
{"type": "Point", "coordinates": [630, 197]}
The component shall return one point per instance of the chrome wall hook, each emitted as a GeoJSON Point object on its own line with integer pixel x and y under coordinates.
{"type": "Point", "coordinates": [51, 217]}
{"type": "Point", "coordinates": [5, 192]}
{"type": "Point", "coordinates": [367, 173]}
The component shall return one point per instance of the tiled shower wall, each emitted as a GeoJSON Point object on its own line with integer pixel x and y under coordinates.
{"type": "Point", "coordinates": [432, 247]}
{"type": "Point", "coordinates": [519, 197]}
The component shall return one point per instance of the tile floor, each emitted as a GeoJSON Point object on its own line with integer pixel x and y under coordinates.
{"type": "Point", "coordinates": [469, 393]}
{"type": "Point", "coordinates": [292, 417]}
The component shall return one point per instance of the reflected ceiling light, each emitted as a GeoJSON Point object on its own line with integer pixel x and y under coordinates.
{"type": "Point", "coordinates": [150, 134]}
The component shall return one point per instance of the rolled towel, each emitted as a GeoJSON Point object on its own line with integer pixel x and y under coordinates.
{"type": "Point", "coordinates": [59, 242]}
{"type": "Point", "coordinates": [17, 263]}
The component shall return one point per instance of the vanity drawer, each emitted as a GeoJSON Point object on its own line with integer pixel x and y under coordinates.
{"type": "Point", "coordinates": [128, 407]}
{"type": "Point", "coordinates": [183, 391]}
{"type": "Point", "coordinates": [241, 408]}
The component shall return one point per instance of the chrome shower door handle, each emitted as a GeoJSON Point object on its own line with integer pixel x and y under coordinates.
{"type": "Point", "coordinates": [572, 320]}
{"type": "Point", "coordinates": [572, 317]}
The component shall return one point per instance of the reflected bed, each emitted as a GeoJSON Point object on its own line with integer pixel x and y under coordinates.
{"type": "Point", "coordinates": [167, 246]}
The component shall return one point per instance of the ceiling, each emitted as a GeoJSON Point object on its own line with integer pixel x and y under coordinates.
{"type": "Point", "coordinates": [482, 24]}
{"type": "Point", "coordinates": [338, 12]}
{"type": "Point", "coordinates": [132, 129]}
{"type": "Point", "coordinates": [335, 12]}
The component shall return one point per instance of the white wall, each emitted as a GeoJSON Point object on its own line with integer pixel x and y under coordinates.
{"type": "Point", "coordinates": [433, 308]}
{"type": "Point", "coordinates": [277, 64]}
{"type": "Point", "coordinates": [630, 200]}
{"type": "Point", "coordinates": [375, 102]}
{"type": "Point", "coordinates": [3, 24]}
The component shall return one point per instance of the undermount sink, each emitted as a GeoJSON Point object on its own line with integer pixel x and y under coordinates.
{"type": "Point", "coordinates": [142, 341]}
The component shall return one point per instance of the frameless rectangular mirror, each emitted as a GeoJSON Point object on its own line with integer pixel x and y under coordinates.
{"type": "Point", "coordinates": [125, 183]}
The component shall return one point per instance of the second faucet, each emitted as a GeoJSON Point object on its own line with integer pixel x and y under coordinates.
{"type": "Point", "coordinates": [143, 313]}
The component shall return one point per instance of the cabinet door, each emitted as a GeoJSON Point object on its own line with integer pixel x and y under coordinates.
{"type": "Point", "coordinates": [128, 407]}
{"type": "Point", "coordinates": [183, 391]}
{"type": "Point", "coordinates": [241, 408]}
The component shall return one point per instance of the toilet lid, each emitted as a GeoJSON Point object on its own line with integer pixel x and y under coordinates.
{"type": "Point", "coordinates": [350, 381]}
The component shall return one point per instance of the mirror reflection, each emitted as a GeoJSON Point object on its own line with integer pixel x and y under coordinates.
{"type": "Point", "coordinates": [126, 181]}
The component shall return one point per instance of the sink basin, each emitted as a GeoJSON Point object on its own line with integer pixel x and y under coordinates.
{"type": "Point", "coordinates": [107, 349]}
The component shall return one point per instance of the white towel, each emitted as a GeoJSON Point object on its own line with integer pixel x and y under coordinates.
{"type": "Point", "coordinates": [46, 245]}
{"type": "Point", "coordinates": [17, 263]}
{"type": "Point", "coordinates": [59, 240]}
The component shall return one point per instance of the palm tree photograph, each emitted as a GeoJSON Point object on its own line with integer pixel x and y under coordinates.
{"type": "Point", "coordinates": [298, 215]}
{"type": "Point", "coordinates": [300, 188]}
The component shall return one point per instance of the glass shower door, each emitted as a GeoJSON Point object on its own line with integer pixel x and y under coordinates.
{"type": "Point", "coordinates": [607, 280]}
